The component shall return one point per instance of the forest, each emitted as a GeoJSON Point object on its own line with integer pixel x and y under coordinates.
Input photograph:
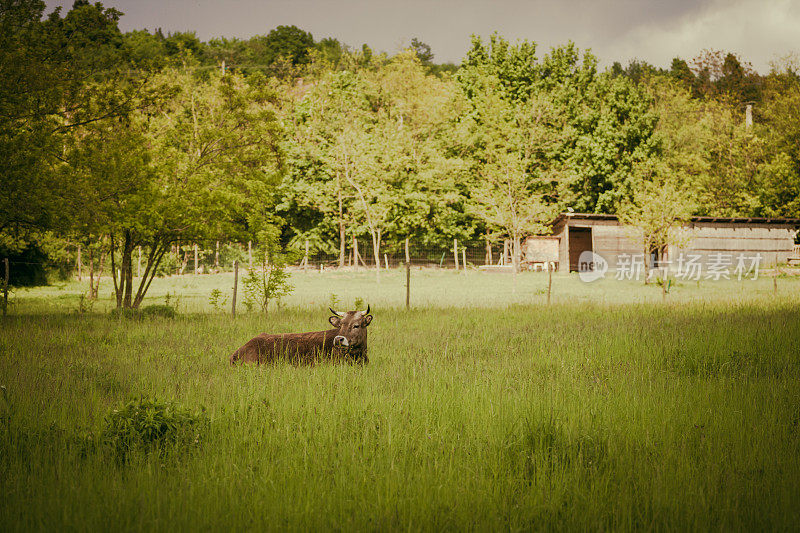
{"type": "Point", "coordinates": [118, 144]}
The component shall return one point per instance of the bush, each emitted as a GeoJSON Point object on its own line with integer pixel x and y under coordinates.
{"type": "Point", "coordinates": [159, 310]}
{"type": "Point", "coordinates": [122, 312]}
{"type": "Point", "coordinates": [148, 425]}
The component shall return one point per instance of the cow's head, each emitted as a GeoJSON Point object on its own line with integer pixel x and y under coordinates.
{"type": "Point", "coordinates": [352, 334]}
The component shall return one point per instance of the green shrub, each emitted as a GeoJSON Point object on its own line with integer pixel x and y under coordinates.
{"type": "Point", "coordinates": [159, 310]}
{"type": "Point", "coordinates": [148, 425]}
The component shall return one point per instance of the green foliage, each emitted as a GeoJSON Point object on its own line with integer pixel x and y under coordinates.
{"type": "Point", "coordinates": [147, 425]}
{"type": "Point", "coordinates": [217, 300]}
{"type": "Point", "coordinates": [270, 282]}
{"type": "Point", "coordinates": [141, 140]}
{"type": "Point", "coordinates": [159, 311]}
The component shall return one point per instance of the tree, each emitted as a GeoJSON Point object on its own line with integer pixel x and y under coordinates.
{"type": "Point", "coordinates": [423, 51]}
{"type": "Point", "coordinates": [286, 42]}
{"type": "Point", "coordinates": [199, 163]}
{"type": "Point", "coordinates": [53, 63]}
{"type": "Point", "coordinates": [657, 207]}
{"type": "Point", "coordinates": [513, 145]}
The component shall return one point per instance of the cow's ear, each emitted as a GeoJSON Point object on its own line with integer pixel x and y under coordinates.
{"type": "Point", "coordinates": [335, 321]}
{"type": "Point", "coordinates": [367, 320]}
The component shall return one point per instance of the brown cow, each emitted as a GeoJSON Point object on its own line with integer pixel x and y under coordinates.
{"type": "Point", "coordinates": [347, 342]}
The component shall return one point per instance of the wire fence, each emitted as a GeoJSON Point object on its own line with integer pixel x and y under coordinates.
{"type": "Point", "coordinates": [474, 252]}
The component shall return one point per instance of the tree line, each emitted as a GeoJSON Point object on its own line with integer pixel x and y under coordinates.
{"type": "Point", "coordinates": [124, 141]}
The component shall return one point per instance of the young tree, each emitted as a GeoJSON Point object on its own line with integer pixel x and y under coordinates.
{"type": "Point", "coordinates": [658, 206]}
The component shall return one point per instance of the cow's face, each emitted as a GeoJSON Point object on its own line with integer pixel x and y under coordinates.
{"type": "Point", "coordinates": [352, 326]}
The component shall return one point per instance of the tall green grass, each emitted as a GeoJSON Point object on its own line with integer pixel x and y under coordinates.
{"type": "Point", "coordinates": [580, 415]}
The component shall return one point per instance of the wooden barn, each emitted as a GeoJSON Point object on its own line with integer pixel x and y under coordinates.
{"type": "Point", "coordinates": [707, 237]}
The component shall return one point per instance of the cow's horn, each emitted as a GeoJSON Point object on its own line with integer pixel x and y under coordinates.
{"type": "Point", "coordinates": [336, 312]}
{"type": "Point", "coordinates": [366, 312]}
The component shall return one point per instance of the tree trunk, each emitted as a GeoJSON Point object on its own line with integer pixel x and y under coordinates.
{"type": "Point", "coordinates": [117, 291]}
{"type": "Point", "coordinates": [127, 270]}
{"type": "Point", "coordinates": [376, 245]}
{"type": "Point", "coordinates": [92, 294]}
{"type": "Point", "coordinates": [342, 235]}
{"type": "Point", "coordinates": [157, 250]}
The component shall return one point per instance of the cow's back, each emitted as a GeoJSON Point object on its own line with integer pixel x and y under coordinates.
{"type": "Point", "coordinates": [299, 348]}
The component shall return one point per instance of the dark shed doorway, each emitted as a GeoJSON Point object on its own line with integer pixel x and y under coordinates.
{"type": "Point", "coordinates": [580, 240]}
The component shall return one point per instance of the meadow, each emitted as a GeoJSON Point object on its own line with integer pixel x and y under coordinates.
{"type": "Point", "coordinates": [482, 408]}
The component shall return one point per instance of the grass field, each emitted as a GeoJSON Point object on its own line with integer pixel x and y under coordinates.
{"type": "Point", "coordinates": [482, 408]}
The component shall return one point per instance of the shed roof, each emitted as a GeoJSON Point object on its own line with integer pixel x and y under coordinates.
{"type": "Point", "coordinates": [736, 220]}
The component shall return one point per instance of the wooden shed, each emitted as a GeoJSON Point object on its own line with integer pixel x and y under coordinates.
{"type": "Point", "coordinates": [773, 238]}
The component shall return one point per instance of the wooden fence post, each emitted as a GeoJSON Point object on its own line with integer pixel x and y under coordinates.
{"type": "Point", "coordinates": [464, 259]}
{"type": "Point", "coordinates": [216, 258]}
{"type": "Point", "coordinates": [80, 264]}
{"type": "Point", "coordinates": [408, 256]}
{"type": "Point", "coordinates": [775, 275]}
{"type": "Point", "coordinates": [5, 288]}
{"type": "Point", "coordinates": [386, 261]}
{"type": "Point", "coordinates": [195, 258]}
{"type": "Point", "coordinates": [408, 285]}
{"type": "Point", "coordinates": [549, 281]}
{"type": "Point", "coordinates": [305, 258]}
{"type": "Point", "coordinates": [235, 286]}
{"type": "Point", "coordinates": [455, 252]}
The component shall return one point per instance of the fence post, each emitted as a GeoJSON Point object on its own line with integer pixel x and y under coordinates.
{"type": "Point", "coordinates": [195, 258]}
{"type": "Point", "coordinates": [216, 258]}
{"type": "Point", "coordinates": [80, 265]}
{"type": "Point", "coordinates": [386, 261]}
{"type": "Point", "coordinates": [305, 258]}
{"type": "Point", "coordinates": [5, 288]}
{"type": "Point", "coordinates": [408, 258]}
{"type": "Point", "coordinates": [464, 259]}
{"type": "Point", "coordinates": [775, 275]}
{"type": "Point", "coordinates": [455, 252]}
{"type": "Point", "coordinates": [408, 285]}
{"type": "Point", "coordinates": [250, 255]}
{"type": "Point", "coordinates": [235, 286]}
{"type": "Point", "coordinates": [549, 281]}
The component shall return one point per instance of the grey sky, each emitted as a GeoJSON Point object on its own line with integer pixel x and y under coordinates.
{"type": "Point", "coordinates": [653, 30]}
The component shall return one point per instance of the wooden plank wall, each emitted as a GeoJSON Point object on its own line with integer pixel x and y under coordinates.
{"type": "Point", "coordinates": [707, 238]}
{"type": "Point", "coordinates": [612, 240]}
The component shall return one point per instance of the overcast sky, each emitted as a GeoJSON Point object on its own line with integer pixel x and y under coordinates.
{"type": "Point", "coordinates": [616, 30]}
